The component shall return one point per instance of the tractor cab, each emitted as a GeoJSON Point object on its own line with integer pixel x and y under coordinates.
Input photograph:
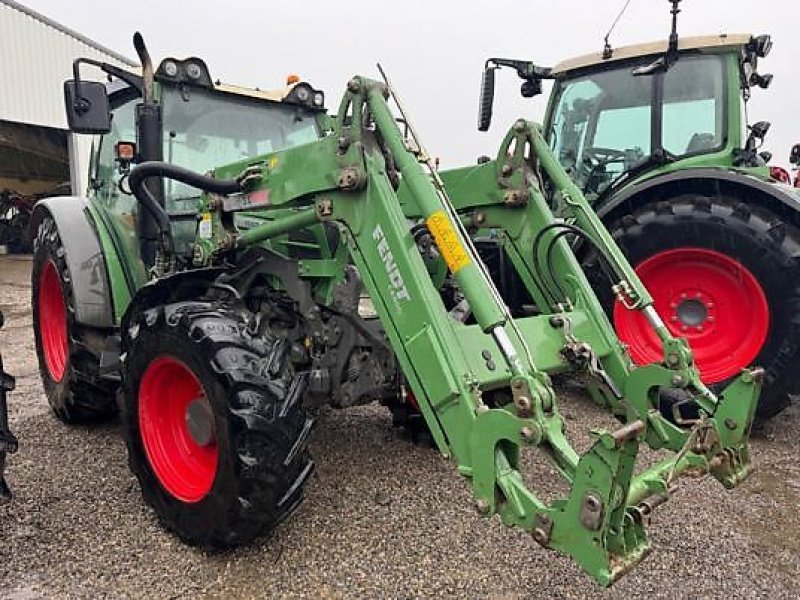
{"type": "Point", "coordinates": [613, 116]}
{"type": "Point", "coordinates": [178, 114]}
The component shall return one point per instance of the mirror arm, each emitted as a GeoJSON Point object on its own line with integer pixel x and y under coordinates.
{"type": "Point", "coordinates": [80, 104]}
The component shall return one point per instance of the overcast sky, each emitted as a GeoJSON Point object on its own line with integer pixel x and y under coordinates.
{"type": "Point", "coordinates": [433, 50]}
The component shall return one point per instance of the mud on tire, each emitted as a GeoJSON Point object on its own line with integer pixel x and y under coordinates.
{"type": "Point", "coordinates": [760, 241]}
{"type": "Point", "coordinates": [75, 389]}
{"type": "Point", "coordinates": [260, 428]}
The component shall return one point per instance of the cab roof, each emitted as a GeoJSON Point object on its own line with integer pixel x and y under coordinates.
{"type": "Point", "coordinates": [277, 95]}
{"type": "Point", "coordinates": [703, 42]}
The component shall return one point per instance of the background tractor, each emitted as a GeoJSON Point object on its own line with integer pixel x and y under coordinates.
{"type": "Point", "coordinates": [656, 137]}
{"type": "Point", "coordinates": [8, 443]}
{"type": "Point", "coordinates": [15, 212]}
{"type": "Point", "coordinates": [214, 278]}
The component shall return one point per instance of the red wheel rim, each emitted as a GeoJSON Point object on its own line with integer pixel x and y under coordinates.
{"type": "Point", "coordinates": [185, 464]}
{"type": "Point", "coordinates": [53, 321]}
{"type": "Point", "coordinates": [706, 297]}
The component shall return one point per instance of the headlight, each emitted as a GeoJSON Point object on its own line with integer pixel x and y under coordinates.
{"type": "Point", "coordinates": [760, 45]}
{"type": "Point", "coordinates": [193, 71]}
{"type": "Point", "coordinates": [763, 45]}
{"type": "Point", "coordinates": [170, 68]}
{"type": "Point", "coordinates": [303, 94]}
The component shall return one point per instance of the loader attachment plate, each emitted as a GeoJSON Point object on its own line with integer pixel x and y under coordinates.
{"type": "Point", "coordinates": [601, 523]}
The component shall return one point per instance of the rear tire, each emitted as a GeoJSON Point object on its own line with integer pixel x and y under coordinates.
{"type": "Point", "coordinates": [684, 244]}
{"type": "Point", "coordinates": [75, 390]}
{"type": "Point", "coordinates": [238, 469]}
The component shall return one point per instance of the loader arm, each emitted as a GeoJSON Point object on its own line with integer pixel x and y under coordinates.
{"type": "Point", "coordinates": [456, 369]}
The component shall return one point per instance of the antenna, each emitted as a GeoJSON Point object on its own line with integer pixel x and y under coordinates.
{"type": "Point", "coordinates": [608, 51]}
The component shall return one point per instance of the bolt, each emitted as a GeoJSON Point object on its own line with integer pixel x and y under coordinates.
{"type": "Point", "coordinates": [527, 433]}
{"type": "Point", "coordinates": [684, 296]}
{"type": "Point", "coordinates": [699, 328]}
{"type": "Point", "coordinates": [672, 358]}
{"type": "Point", "coordinates": [540, 536]}
{"type": "Point", "coordinates": [673, 305]}
{"type": "Point", "coordinates": [506, 170]}
{"type": "Point", "coordinates": [517, 385]}
{"type": "Point", "coordinates": [684, 328]}
{"type": "Point", "coordinates": [482, 506]}
{"type": "Point", "coordinates": [673, 318]}
{"type": "Point", "coordinates": [519, 126]}
{"type": "Point", "coordinates": [353, 85]}
{"type": "Point", "coordinates": [677, 380]}
{"type": "Point", "coordinates": [343, 143]}
{"type": "Point", "coordinates": [523, 403]}
{"type": "Point", "coordinates": [698, 295]}
{"type": "Point", "coordinates": [709, 305]}
{"type": "Point", "coordinates": [731, 423]}
{"type": "Point", "coordinates": [593, 503]}
{"type": "Point", "coordinates": [480, 217]}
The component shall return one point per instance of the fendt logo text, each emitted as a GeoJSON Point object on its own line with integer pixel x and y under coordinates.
{"type": "Point", "coordinates": [399, 290]}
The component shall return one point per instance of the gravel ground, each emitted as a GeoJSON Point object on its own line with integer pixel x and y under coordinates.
{"type": "Point", "coordinates": [382, 518]}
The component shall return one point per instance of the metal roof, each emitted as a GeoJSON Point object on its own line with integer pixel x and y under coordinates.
{"type": "Point", "coordinates": [704, 42]}
{"type": "Point", "coordinates": [70, 32]}
{"type": "Point", "coordinates": [36, 57]}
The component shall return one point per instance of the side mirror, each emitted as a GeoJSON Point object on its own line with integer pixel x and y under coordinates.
{"type": "Point", "coordinates": [87, 107]}
{"type": "Point", "coordinates": [794, 156]}
{"type": "Point", "coordinates": [486, 99]}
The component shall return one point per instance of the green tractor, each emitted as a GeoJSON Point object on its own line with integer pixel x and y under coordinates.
{"type": "Point", "coordinates": [654, 135]}
{"type": "Point", "coordinates": [213, 281]}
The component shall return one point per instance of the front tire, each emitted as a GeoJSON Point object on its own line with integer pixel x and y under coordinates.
{"type": "Point", "coordinates": [214, 423]}
{"type": "Point", "coordinates": [75, 390]}
{"type": "Point", "coordinates": [725, 275]}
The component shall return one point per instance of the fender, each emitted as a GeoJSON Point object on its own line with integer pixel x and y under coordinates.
{"type": "Point", "coordinates": [781, 199]}
{"type": "Point", "coordinates": [85, 260]}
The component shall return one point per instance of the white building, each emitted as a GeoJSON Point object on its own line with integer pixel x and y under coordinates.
{"type": "Point", "coordinates": [36, 56]}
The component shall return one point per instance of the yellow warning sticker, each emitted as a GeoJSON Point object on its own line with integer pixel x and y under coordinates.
{"type": "Point", "coordinates": [453, 252]}
{"type": "Point", "coordinates": [205, 228]}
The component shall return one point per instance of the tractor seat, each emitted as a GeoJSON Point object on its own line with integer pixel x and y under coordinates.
{"type": "Point", "coordinates": [700, 142]}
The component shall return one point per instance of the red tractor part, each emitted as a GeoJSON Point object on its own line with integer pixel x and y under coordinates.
{"type": "Point", "coordinates": [177, 429]}
{"type": "Point", "coordinates": [707, 297]}
{"type": "Point", "coordinates": [53, 322]}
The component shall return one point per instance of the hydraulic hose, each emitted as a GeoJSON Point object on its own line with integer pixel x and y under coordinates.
{"type": "Point", "coordinates": [141, 173]}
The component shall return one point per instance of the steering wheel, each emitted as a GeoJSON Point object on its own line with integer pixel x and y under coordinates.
{"type": "Point", "coordinates": [601, 156]}
{"type": "Point", "coordinates": [594, 160]}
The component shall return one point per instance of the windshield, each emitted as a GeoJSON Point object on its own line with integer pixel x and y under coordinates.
{"type": "Point", "coordinates": [204, 130]}
{"type": "Point", "coordinates": [608, 122]}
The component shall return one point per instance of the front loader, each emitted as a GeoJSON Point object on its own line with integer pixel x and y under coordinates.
{"type": "Point", "coordinates": [234, 296]}
{"type": "Point", "coordinates": [657, 137]}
